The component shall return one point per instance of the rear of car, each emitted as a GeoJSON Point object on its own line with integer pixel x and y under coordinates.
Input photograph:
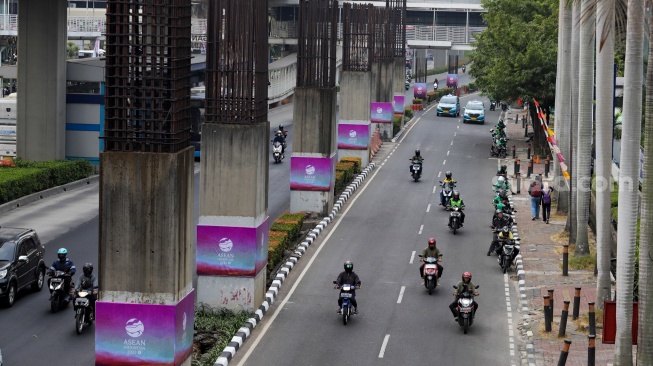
{"type": "Point", "coordinates": [474, 112]}
{"type": "Point", "coordinates": [449, 105]}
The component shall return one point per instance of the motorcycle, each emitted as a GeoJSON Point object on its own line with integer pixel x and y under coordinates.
{"type": "Point", "coordinates": [465, 309]}
{"type": "Point", "coordinates": [58, 298]}
{"type": "Point", "coordinates": [277, 151]}
{"type": "Point", "coordinates": [84, 314]}
{"type": "Point", "coordinates": [435, 85]}
{"type": "Point", "coordinates": [346, 293]}
{"type": "Point", "coordinates": [454, 218]}
{"type": "Point", "coordinates": [464, 69]}
{"type": "Point", "coordinates": [416, 169]}
{"type": "Point", "coordinates": [447, 192]}
{"type": "Point", "coordinates": [493, 105]}
{"type": "Point", "coordinates": [507, 248]}
{"type": "Point", "coordinates": [430, 273]}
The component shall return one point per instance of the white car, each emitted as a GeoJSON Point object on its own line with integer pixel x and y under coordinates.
{"type": "Point", "coordinates": [474, 112]}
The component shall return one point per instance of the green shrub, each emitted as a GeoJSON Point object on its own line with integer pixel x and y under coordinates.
{"type": "Point", "coordinates": [396, 125]}
{"type": "Point", "coordinates": [408, 112]}
{"type": "Point", "coordinates": [277, 243]}
{"type": "Point", "coordinates": [222, 324]}
{"type": "Point", "coordinates": [347, 169]}
{"type": "Point", "coordinates": [291, 224]}
{"type": "Point", "coordinates": [417, 101]}
{"type": "Point", "coordinates": [356, 161]}
{"type": "Point", "coordinates": [340, 183]}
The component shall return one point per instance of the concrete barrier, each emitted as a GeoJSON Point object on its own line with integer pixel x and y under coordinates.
{"type": "Point", "coordinates": [375, 143]}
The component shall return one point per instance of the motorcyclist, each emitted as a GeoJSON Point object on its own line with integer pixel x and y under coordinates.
{"type": "Point", "coordinates": [88, 282]}
{"type": "Point", "coordinates": [465, 285]}
{"type": "Point", "coordinates": [448, 179]}
{"type": "Point", "coordinates": [500, 124]}
{"type": "Point", "coordinates": [500, 197]}
{"type": "Point", "coordinates": [503, 170]}
{"type": "Point", "coordinates": [417, 157]}
{"type": "Point", "coordinates": [505, 235]}
{"type": "Point", "coordinates": [278, 137]}
{"type": "Point", "coordinates": [431, 251]}
{"type": "Point", "coordinates": [348, 276]}
{"type": "Point", "coordinates": [65, 265]}
{"type": "Point", "coordinates": [503, 184]}
{"type": "Point", "coordinates": [285, 132]}
{"type": "Point", "coordinates": [500, 219]}
{"type": "Point", "coordinates": [456, 201]}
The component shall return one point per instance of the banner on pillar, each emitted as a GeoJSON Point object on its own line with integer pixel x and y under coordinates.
{"type": "Point", "coordinates": [399, 104]}
{"type": "Point", "coordinates": [381, 112]}
{"type": "Point", "coordinates": [311, 173]}
{"type": "Point", "coordinates": [353, 136]}
{"type": "Point", "coordinates": [144, 334]}
{"type": "Point", "coordinates": [231, 251]}
{"type": "Point", "coordinates": [452, 80]}
{"type": "Point", "coordinates": [419, 91]}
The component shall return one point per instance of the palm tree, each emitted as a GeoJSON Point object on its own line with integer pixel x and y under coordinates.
{"type": "Point", "coordinates": [629, 180]}
{"type": "Point", "coordinates": [563, 95]}
{"type": "Point", "coordinates": [573, 166]}
{"type": "Point", "coordinates": [604, 89]}
{"type": "Point", "coordinates": [645, 331]}
{"type": "Point", "coordinates": [583, 151]}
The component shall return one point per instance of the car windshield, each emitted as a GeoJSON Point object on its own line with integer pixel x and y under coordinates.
{"type": "Point", "coordinates": [475, 107]}
{"type": "Point", "coordinates": [7, 251]}
{"type": "Point", "coordinates": [448, 100]}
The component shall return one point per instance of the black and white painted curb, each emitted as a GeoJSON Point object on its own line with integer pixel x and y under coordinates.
{"type": "Point", "coordinates": [523, 302]}
{"type": "Point", "coordinates": [245, 331]}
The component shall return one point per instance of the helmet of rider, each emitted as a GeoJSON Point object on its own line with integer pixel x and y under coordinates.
{"type": "Point", "coordinates": [278, 133]}
{"type": "Point", "coordinates": [456, 195]}
{"type": "Point", "coordinates": [62, 253]}
{"type": "Point", "coordinates": [417, 152]}
{"type": "Point", "coordinates": [468, 276]}
{"type": "Point", "coordinates": [88, 269]}
{"type": "Point", "coordinates": [499, 212]}
{"type": "Point", "coordinates": [501, 180]}
{"type": "Point", "coordinates": [504, 167]}
{"type": "Point", "coordinates": [431, 243]}
{"type": "Point", "coordinates": [503, 195]}
{"type": "Point", "coordinates": [505, 230]}
{"type": "Point", "coordinates": [349, 266]}
{"type": "Point", "coordinates": [500, 207]}
{"type": "Point", "coordinates": [448, 174]}
{"type": "Point", "coordinates": [280, 127]}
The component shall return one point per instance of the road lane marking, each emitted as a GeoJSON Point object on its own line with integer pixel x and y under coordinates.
{"type": "Point", "coordinates": [412, 256]}
{"type": "Point", "coordinates": [448, 151]}
{"type": "Point", "coordinates": [439, 174]}
{"type": "Point", "coordinates": [401, 294]}
{"type": "Point", "coordinates": [420, 229]}
{"type": "Point", "coordinates": [451, 143]}
{"type": "Point", "coordinates": [444, 162]}
{"type": "Point", "coordinates": [385, 343]}
{"type": "Point", "coordinates": [436, 187]}
{"type": "Point", "coordinates": [301, 275]}
{"type": "Point", "coordinates": [428, 208]}
{"type": "Point", "coordinates": [511, 339]}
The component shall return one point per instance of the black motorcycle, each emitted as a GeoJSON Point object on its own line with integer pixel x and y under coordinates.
{"type": "Point", "coordinates": [454, 218]}
{"type": "Point", "coordinates": [416, 169]}
{"type": "Point", "coordinates": [493, 105]}
{"type": "Point", "coordinates": [507, 249]}
{"type": "Point", "coordinates": [84, 312]}
{"type": "Point", "coordinates": [58, 298]}
{"type": "Point", "coordinates": [465, 309]}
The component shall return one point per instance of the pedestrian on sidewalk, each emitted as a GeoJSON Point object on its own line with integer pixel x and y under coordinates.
{"type": "Point", "coordinates": [535, 191]}
{"type": "Point", "coordinates": [546, 202]}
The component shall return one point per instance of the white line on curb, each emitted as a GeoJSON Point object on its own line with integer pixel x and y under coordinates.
{"type": "Point", "coordinates": [385, 343]}
{"type": "Point", "coordinates": [401, 294]}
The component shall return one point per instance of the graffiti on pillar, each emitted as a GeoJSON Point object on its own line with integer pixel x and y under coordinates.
{"type": "Point", "coordinates": [381, 112]}
{"type": "Point", "coordinates": [311, 173]}
{"type": "Point", "coordinates": [236, 297]}
{"type": "Point", "coordinates": [353, 136]}
{"type": "Point", "coordinates": [232, 251]}
{"type": "Point", "coordinates": [419, 91]}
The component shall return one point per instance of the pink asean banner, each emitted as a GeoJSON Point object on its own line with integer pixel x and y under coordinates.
{"type": "Point", "coordinates": [381, 112]}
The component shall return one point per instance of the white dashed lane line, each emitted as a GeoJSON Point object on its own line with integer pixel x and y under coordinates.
{"type": "Point", "coordinates": [412, 257]}
{"type": "Point", "coordinates": [401, 294]}
{"type": "Point", "coordinates": [421, 228]}
{"type": "Point", "coordinates": [385, 343]}
{"type": "Point", "coordinates": [444, 162]}
{"type": "Point", "coordinates": [428, 208]}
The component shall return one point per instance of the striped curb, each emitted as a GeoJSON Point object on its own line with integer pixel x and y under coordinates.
{"type": "Point", "coordinates": [246, 330]}
{"type": "Point", "coordinates": [523, 302]}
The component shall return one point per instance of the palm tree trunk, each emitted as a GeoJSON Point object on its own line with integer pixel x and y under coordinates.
{"type": "Point", "coordinates": [604, 117]}
{"type": "Point", "coordinates": [645, 330]}
{"type": "Point", "coordinates": [585, 113]}
{"type": "Point", "coordinates": [563, 100]}
{"type": "Point", "coordinates": [573, 166]}
{"type": "Point", "coordinates": [629, 181]}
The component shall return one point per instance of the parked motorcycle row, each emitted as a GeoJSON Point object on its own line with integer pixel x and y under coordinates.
{"type": "Point", "coordinates": [499, 141]}
{"type": "Point", "coordinates": [503, 244]}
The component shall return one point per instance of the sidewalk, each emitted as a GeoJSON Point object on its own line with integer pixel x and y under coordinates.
{"type": "Point", "coordinates": [541, 249]}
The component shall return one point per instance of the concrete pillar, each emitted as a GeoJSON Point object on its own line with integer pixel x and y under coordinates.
{"type": "Point", "coordinates": [382, 91]}
{"type": "Point", "coordinates": [354, 119]}
{"type": "Point", "coordinates": [399, 86]}
{"type": "Point", "coordinates": [41, 105]}
{"type": "Point", "coordinates": [312, 165]}
{"type": "Point", "coordinates": [145, 310]}
{"type": "Point", "coordinates": [232, 233]}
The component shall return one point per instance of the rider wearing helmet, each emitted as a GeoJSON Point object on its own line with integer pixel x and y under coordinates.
{"type": "Point", "coordinates": [348, 276]}
{"type": "Point", "coordinates": [505, 235]}
{"type": "Point", "coordinates": [503, 170]}
{"type": "Point", "coordinates": [88, 282]}
{"type": "Point", "coordinates": [465, 285]}
{"type": "Point", "coordinates": [419, 158]}
{"type": "Point", "coordinates": [456, 201]}
{"type": "Point", "coordinates": [65, 265]}
{"type": "Point", "coordinates": [431, 251]}
{"type": "Point", "coordinates": [448, 180]}
{"type": "Point", "coordinates": [285, 132]}
{"type": "Point", "coordinates": [278, 137]}
{"type": "Point", "coordinates": [503, 184]}
{"type": "Point", "coordinates": [500, 197]}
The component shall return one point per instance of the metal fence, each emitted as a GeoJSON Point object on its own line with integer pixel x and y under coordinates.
{"type": "Point", "coordinates": [317, 40]}
{"type": "Point", "coordinates": [357, 45]}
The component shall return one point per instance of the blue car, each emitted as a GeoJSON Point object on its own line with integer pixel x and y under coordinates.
{"type": "Point", "coordinates": [474, 112]}
{"type": "Point", "coordinates": [449, 105]}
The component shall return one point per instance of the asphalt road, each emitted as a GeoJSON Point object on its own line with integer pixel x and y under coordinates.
{"type": "Point", "coordinates": [31, 335]}
{"type": "Point", "coordinates": [382, 230]}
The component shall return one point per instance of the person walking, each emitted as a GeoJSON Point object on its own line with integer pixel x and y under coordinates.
{"type": "Point", "coordinates": [535, 191]}
{"type": "Point", "coordinates": [546, 202]}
